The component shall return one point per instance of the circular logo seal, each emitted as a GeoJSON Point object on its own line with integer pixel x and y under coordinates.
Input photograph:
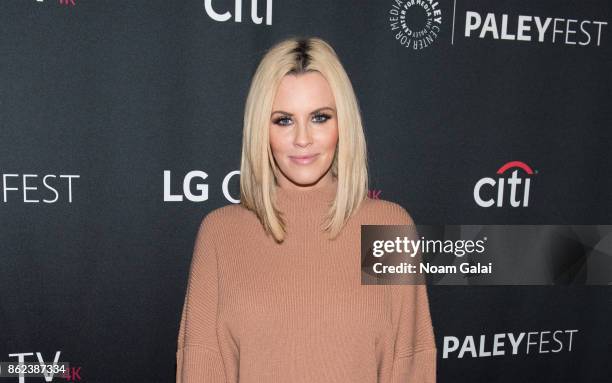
{"type": "Point", "coordinates": [416, 23]}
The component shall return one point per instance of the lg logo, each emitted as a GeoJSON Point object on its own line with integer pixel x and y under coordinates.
{"type": "Point", "coordinates": [215, 15]}
{"type": "Point", "coordinates": [494, 189]}
{"type": "Point", "coordinates": [193, 178]}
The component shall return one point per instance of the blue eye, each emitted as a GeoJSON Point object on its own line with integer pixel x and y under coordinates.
{"type": "Point", "coordinates": [319, 118]}
{"type": "Point", "coordinates": [278, 121]}
{"type": "Point", "coordinates": [326, 116]}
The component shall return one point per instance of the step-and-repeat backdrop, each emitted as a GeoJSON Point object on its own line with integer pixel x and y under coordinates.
{"type": "Point", "coordinates": [120, 129]}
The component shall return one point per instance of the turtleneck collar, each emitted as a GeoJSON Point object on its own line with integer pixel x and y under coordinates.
{"type": "Point", "coordinates": [306, 201]}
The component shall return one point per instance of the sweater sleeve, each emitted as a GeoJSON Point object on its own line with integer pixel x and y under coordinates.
{"type": "Point", "coordinates": [198, 357]}
{"type": "Point", "coordinates": [415, 348]}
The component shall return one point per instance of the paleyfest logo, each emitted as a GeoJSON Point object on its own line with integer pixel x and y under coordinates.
{"type": "Point", "coordinates": [416, 22]}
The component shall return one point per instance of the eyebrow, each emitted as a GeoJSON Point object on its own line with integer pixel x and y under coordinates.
{"type": "Point", "coordinates": [313, 112]}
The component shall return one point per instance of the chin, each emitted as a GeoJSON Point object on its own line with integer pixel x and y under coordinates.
{"type": "Point", "coordinates": [305, 179]}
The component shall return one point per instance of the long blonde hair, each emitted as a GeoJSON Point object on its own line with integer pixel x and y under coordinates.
{"type": "Point", "coordinates": [296, 56]}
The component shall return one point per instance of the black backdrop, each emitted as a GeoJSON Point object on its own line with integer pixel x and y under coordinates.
{"type": "Point", "coordinates": [113, 104]}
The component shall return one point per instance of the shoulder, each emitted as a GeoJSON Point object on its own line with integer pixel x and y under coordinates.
{"type": "Point", "coordinates": [383, 212]}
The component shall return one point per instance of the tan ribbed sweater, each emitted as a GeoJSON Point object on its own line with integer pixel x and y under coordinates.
{"type": "Point", "coordinates": [260, 312]}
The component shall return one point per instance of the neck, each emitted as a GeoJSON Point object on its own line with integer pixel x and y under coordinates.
{"type": "Point", "coordinates": [306, 204]}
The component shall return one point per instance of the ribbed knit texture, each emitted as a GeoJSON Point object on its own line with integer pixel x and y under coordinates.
{"type": "Point", "coordinates": [260, 312]}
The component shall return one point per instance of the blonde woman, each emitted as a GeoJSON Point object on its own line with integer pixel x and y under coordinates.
{"type": "Point", "coordinates": [274, 291]}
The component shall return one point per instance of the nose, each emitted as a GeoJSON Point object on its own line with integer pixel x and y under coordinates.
{"type": "Point", "coordinates": [302, 135]}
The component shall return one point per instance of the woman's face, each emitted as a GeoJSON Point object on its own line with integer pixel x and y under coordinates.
{"type": "Point", "coordinates": [303, 130]}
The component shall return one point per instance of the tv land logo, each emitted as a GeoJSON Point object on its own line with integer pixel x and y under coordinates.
{"type": "Point", "coordinates": [489, 191]}
{"type": "Point", "coordinates": [71, 374]}
{"type": "Point", "coordinates": [501, 344]}
{"type": "Point", "coordinates": [416, 23]}
{"type": "Point", "coordinates": [70, 3]}
{"type": "Point", "coordinates": [374, 193]}
{"type": "Point", "coordinates": [221, 10]}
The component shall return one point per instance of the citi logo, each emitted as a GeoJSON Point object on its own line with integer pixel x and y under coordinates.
{"type": "Point", "coordinates": [220, 13]}
{"type": "Point", "coordinates": [489, 191]}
